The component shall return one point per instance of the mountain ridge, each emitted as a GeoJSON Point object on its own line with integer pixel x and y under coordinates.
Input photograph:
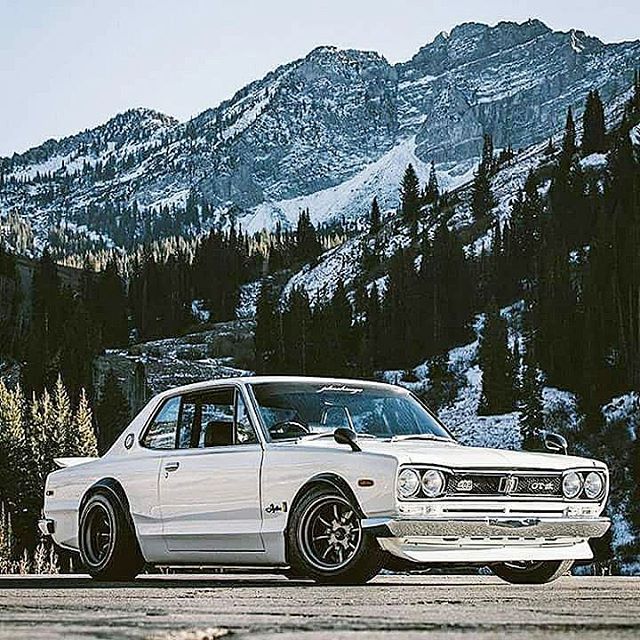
{"type": "Point", "coordinates": [312, 125]}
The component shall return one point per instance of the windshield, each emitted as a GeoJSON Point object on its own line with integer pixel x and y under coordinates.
{"type": "Point", "coordinates": [298, 409]}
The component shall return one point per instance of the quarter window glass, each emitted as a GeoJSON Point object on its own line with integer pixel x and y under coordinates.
{"type": "Point", "coordinates": [245, 433]}
{"type": "Point", "coordinates": [187, 423]}
{"type": "Point", "coordinates": [162, 431]}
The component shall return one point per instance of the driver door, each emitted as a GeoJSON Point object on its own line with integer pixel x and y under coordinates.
{"type": "Point", "coordinates": [209, 484]}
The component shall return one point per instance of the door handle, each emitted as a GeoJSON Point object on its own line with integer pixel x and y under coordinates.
{"type": "Point", "coordinates": [171, 466]}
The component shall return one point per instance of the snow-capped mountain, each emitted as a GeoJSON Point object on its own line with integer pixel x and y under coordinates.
{"type": "Point", "coordinates": [325, 132]}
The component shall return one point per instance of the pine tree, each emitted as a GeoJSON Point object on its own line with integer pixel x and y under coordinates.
{"type": "Point", "coordinates": [497, 365]}
{"type": "Point", "coordinates": [45, 329]}
{"type": "Point", "coordinates": [268, 332]}
{"type": "Point", "coordinates": [432, 190]}
{"type": "Point", "coordinates": [374, 217]}
{"type": "Point", "coordinates": [397, 345]}
{"type": "Point", "coordinates": [566, 193]}
{"type": "Point", "coordinates": [633, 106]}
{"type": "Point", "coordinates": [372, 331]}
{"type": "Point", "coordinates": [410, 196]}
{"type": "Point", "coordinates": [296, 333]}
{"type": "Point", "coordinates": [62, 418]}
{"type": "Point", "coordinates": [338, 334]}
{"type": "Point", "coordinates": [443, 383]}
{"type": "Point", "coordinates": [112, 412]}
{"type": "Point", "coordinates": [107, 303]}
{"type": "Point", "coordinates": [488, 159]}
{"type": "Point", "coordinates": [593, 126]}
{"type": "Point", "coordinates": [482, 199]}
{"type": "Point", "coordinates": [85, 443]}
{"type": "Point", "coordinates": [10, 291]}
{"type": "Point", "coordinates": [569, 147]}
{"type": "Point", "coordinates": [308, 247]}
{"type": "Point", "coordinates": [530, 403]}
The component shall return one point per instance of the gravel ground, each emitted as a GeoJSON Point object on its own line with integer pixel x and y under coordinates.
{"type": "Point", "coordinates": [201, 607]}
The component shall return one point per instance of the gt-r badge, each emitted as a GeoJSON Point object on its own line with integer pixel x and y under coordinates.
{"type": "Point", "coordinates": [464, 485]}
{"type": "Point", "coordinates": [542, 486]}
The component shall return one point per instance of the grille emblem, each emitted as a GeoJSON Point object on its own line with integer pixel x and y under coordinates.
{"type": "Point", "coordinates": [508, 484]}
{"type": "Point", "coordinates": [542, 486]}
{"type": "Point", "coordinates": [464, 485]}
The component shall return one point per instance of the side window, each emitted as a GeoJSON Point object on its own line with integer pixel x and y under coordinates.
{"type": "Point", "coordinates": [216, 418]}
{"type": "Point", "coordinates": [161, 434]}
{"type": "Point", "coordinates": [245, 433]}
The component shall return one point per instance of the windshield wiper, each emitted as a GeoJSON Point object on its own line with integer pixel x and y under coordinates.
{"type": "Point", "coordinates": [421, 436]}
{"type": "Point", "coordinates": [325, 434]}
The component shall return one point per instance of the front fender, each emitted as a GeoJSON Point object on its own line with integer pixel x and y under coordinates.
{"type": "Point", "coordinates": [288, 470]}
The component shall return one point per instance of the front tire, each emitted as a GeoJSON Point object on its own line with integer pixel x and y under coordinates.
{"type": "Point", "coordinates": [327, 543]}
{"type": "Point", "coordinates": [532, 572]}
{"type": "Point", "coordinates": [108, 546]}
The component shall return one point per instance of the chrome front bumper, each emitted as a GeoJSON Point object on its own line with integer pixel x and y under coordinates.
{"type": "Point", "coordinates": [487, 527]}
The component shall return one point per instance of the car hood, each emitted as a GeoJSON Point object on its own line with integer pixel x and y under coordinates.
{"type": "Point", "coordinates": [462, 457]}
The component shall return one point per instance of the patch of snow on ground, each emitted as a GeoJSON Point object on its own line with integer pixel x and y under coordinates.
{"type": "Point", "coordinates": [199, 311]}
{"type": "Point", "coordinates": [594, 161]}
{"type": "Point", "coordinates": [500, 431]}
{"type": "Point", "coordinates": [248, 300]}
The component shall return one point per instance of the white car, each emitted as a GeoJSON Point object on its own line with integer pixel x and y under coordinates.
{"type": "Point", "coordinates": [322, 478]}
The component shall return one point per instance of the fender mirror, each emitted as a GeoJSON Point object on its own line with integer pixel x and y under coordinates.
{"type": "Point", "coordinates": [556, 443]}
{"type": "Point", "coordinates": [342, 435]}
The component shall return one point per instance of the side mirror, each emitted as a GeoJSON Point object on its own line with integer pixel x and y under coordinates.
{"type": "Point", "coordinates": [342, 435]}
{"type": "Point", "coordinates": [556, 443]}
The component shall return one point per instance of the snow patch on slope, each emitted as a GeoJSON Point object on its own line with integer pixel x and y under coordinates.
{"type": "Point", "coordinates": [352, 198]}
{"type": "Point", "coordinates": [339, 265]}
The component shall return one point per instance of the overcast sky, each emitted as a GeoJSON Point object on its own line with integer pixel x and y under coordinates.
{"type": "Point", "coordinates": [66, 65]}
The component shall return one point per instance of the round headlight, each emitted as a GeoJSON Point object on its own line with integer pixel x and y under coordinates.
{"type": "Point", "coordinates": [571, 484]}
{"type": "Point", "coordinates": [593, 485]}
{"type": "Point", "coordinates": [432, 483]}
{"type": "Point", "coordinates": [408, 483]}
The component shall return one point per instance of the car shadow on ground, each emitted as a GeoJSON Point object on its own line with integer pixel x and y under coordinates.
{"type": "Point", "coordinates": [59, 582]}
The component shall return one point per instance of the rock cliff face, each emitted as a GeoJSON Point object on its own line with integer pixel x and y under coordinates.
{"type": "Point", "coordinates": [319, 132]}
{"type": "Point", "coordinates": [513, 81]}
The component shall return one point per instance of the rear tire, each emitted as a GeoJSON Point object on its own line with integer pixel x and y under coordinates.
{"type": "Point", "coordinates": [108, 546]}
{"type": "Point", "coordinates": [532, 572]}
{"type": "Point", "coordinates": [327, 543]}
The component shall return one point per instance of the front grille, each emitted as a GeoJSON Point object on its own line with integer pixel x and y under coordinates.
{"type": "Point", "coordinates": [504, 484]}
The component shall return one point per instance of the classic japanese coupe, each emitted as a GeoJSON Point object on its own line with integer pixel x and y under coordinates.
{"type": "Point", "coordinates": [326, 479]}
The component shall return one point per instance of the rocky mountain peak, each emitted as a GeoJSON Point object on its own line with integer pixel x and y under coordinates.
{"type": "Point", "coordinates": [326, 129]}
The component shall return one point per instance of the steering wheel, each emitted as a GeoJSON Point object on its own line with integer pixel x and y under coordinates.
{"type": "Point", "coordinates": [288, 429]}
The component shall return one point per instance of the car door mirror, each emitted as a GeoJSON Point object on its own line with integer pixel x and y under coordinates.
{"type": "Point", "coordinates": [342, 435]}
{"type": "Point", "coordinates": [556, 443]}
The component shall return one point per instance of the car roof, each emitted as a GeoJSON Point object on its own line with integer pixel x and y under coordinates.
{"type": "Point", "coordinates": [244, 380]}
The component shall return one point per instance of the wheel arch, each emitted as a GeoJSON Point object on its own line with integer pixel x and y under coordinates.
{"type": "Point", "coordinates": [328, 480]}
{"type": "Point", "coordinates": [113, 490]}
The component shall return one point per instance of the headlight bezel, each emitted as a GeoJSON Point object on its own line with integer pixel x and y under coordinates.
{"type": "Point", "coordinates": [433, 473]}
{"type": "Point", "coordinates": [421, 494]}
{"type": "Point", "coordinates": [600, 491]}
{"type": "Point", "coordinates": [582, 495]}
{"type": "Point", "coordinates": [416, 491]}
{"type": "Point", "coordinates": [578, 487]}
